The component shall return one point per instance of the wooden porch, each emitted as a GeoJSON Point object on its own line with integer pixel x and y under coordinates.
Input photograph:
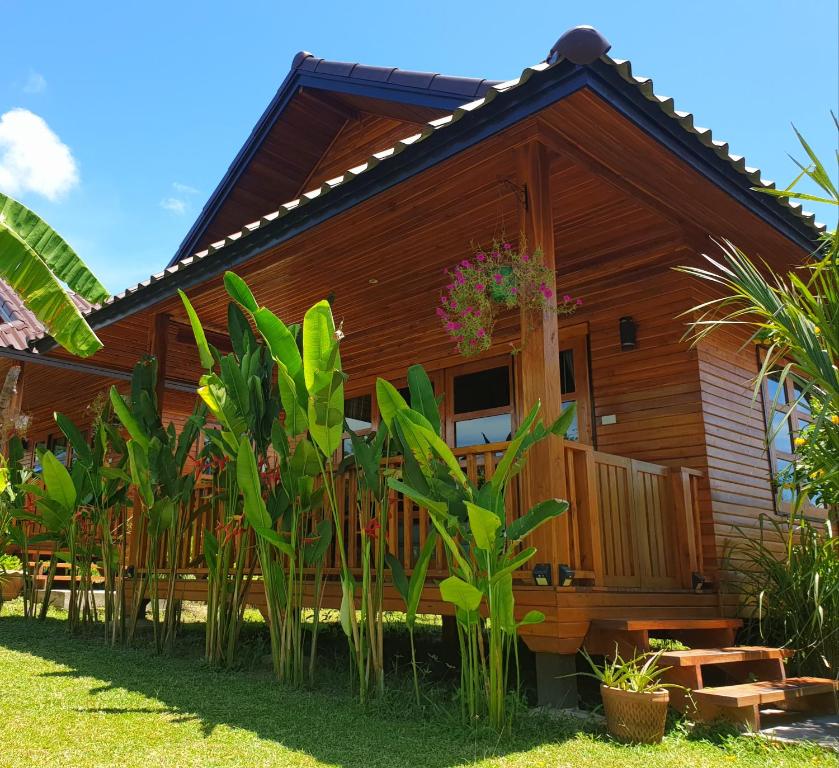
{"type": "Point", "coordinates": [630, 537]}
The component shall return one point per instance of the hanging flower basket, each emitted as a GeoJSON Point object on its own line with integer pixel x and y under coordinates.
{"type": "Point", "coordinates": [499, 278]}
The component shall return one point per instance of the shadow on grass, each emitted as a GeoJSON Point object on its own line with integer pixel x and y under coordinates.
{"type": "Point", "coordinates": [328, 725]}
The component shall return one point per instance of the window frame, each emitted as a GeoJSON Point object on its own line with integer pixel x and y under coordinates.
{"type": "Point", "coordinates": [451, 418]}
{"type": "Point", "coordinates": [796, 420]}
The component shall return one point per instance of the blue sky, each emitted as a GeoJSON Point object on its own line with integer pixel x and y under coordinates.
{"type": "Point", "coordinates": [137, 109]}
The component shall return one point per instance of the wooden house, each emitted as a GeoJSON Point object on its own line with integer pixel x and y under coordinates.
{"type": "Point", "coordinates": [364, 183]}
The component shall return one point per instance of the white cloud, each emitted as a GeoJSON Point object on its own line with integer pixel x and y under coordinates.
{"type": "Point", "coordinates": [179, 202]}
{"type": "Point", "coordinates": [33, 158]}
{"type": "Point", "coordinates": [174, 205]}
{"type": "Point", "coordinates": [184, 188]}
{"type": "Point", "coordinates": [35, 83]}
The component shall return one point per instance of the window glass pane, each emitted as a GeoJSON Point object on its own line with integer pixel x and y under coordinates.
{"type": "Point", "coordinates": [775, 390]}
{"type": "Point", "coordinates": [482, 390]}
{"type": "Point", "coordinates": [566, 371]}
{"type": "Point", "coordinates": [347, 444]}
{"type": "Point", "coordinates": [783, 478]}
{"type": "Point", "coordinates": [781, 436]}
{"type": "Point", "coordinates": [487, 429]}
{"type": "Point", "coordinates": [358, 411]}
{"type": "Point", "coordinates": [59, 448]}
{"type": "Point", "coordinates": [573, 432]}
{"type": "Point", "coordinates": [803, 403]}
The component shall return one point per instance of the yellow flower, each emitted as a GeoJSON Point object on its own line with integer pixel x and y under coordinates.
{"type": "Point", "coordinates": [817, 474]}
{"type": "Point", "coordinates": [816, 329]}
{"type": "Point", "coordinates": [834, 419]}
{"type": "Point", "coordinates": [799, 441]}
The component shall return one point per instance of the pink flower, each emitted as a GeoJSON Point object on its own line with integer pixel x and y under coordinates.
{"type": "Point", "coordinates": [481, 333]}
{"type": "Point", "coordinates": [466, 264]}
{"type": "Point", "coordinates": [498, 277]}
{"type": "Point", "coordinates": [508, 247]}
{"type": "Point", "coordinates": [525, 257]}
{"type": "Point", "coordinates": [452, 326]}
{"type": "Point", "coordinates": [479, 287]}
{"type": "Point", "coordinates": [481, 256]}
{"type": "Point", "coordinates": [566, 298]}
{"type": "Point", "coordinates": [514, 290]}
{"type": "Point", "coordinates": [495, 254]}
{"type": "Point", "coordinates": [546, 292]}
{"type": "Point", "coordinates": [579, 302]}
{"type": "Point", "coordinates": [450, 287]}
{"type": "Point", "coordinates": [453, 306]}
{"type": "Point", "coordinates": [467, 311]}
{"type": "Point", "coordinates": [460, 279]}
{"type": "Point", "coordinates": [441, 312]}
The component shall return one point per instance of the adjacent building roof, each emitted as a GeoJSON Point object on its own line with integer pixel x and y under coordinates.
{"type": "Point", "coordinates": [499, 106]}
{"type": "Point", "coordinates": [19, 328]}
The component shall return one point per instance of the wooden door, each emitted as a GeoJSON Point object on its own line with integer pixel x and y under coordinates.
{"type": "Point", "coordinates": [575, 381]}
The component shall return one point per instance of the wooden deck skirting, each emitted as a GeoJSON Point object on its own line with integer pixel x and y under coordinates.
{"type": "Point", "coordinates": [632, 530]}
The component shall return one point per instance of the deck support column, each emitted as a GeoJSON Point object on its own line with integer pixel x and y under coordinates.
{"type": "Point", "coordinates": [556, 680]}
{"type": "Point", "coordinates": [538, 361]}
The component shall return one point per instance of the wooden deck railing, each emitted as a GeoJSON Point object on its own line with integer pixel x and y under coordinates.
{"type": "Point", "coordinates": [630, 523]}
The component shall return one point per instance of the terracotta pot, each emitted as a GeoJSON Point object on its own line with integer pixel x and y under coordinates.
{"type": "Point", "coordinates": [12, 585]}
{"type": "Point", "coordinates": [636, 718]}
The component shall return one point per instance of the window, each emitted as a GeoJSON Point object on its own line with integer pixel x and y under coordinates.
{"type": "Point", "coordinates": [787, 414]}
{"type": "Point", "coordinates": [58, 445]}
{"type": "Point", "coordinates": [358, 414]}
{"type": "Point", "coordinates": [574, 379]}
{"type": "Point", "coordinates": [482, 407]}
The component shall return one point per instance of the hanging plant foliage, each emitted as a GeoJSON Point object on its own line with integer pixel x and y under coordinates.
{"type": "Point", "coordinates": [494, 279]}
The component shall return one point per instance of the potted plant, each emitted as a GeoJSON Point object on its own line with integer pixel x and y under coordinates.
{"type": "Point", "coordinates": [501, 277]}
{"type": "Point", "coordinates": [635, 700]}
{"type": "Point", "coordinates": [11, 577]}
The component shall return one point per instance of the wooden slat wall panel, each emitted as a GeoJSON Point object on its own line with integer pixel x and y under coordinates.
{"type": "Point", "coordinates": [361, 136]}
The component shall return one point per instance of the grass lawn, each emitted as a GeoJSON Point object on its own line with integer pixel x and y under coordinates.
{"type": "Point", "coordinates": [74, 703]}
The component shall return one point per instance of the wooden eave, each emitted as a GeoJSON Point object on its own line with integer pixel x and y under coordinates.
{"type": "Point", "coordinates": [570, 100]}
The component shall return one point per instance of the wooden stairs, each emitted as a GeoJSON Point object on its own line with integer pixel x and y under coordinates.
{"type": "Point", "coordinates": [719, 681]}
{"type": "Point", "coordinates": [755, 678]}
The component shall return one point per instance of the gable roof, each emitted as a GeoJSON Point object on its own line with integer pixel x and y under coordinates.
{"type": "Point", "coordinates": [502, 105]}
{"type": "Point", "coordinates": [19, 328]}
{"type": "Point", "coordinates": [430, 94]}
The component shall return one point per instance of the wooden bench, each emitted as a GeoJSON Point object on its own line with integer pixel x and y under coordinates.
{"type": "Point", "coordinates": [740, 704]}
{"type": "Point", "coordinates": [740, 664]}
{"type": "Point", "coordinates": [632, 636]}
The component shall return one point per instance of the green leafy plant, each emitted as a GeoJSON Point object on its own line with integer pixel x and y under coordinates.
{"type": "Point", "coordinates": [795, 596]}
{"type": "Point", "coordinates": [157, 458]}
{"type": "Point", "coordinates": [99, 472]}
{"type": "Point", "coordinates": [36, 262]}
{"type": "Point", "coordinates": [277, 462]}
{"type": "Point", "coordinates": [483, 550]}
{"type": "Point", "coordinates": [640, 674]}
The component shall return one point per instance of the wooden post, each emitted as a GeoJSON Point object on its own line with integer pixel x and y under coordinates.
{"type": "Point", "coordinates": [538, 361]}
{"type": "Point", "coordinates": [158, 337]}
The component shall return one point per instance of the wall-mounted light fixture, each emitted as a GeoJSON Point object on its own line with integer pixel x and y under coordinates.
{"type": "Point", "coordinates": [697, 581]}
{"type": "Point", "coordinates": [566, 575]}
{"type": "Point", "coordinates": [542, 574]}
{"type": "Point", "coordinates": [629, 333]}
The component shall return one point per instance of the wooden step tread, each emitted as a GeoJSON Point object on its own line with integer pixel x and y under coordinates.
{"type": "Point", "coordinates": [698, 656]}
{"type": "Point", "coordinates": [768, 692]}
{"type": "Point", "coordinates": [636, 625]}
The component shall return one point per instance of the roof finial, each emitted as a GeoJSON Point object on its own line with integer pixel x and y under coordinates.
{"type": "Point", "coordinates": [580, 45]}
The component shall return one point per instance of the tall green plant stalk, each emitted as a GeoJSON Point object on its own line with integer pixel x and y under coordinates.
{"type": "Point", "coordinates": [157, 458]}
{"type": "Point", "coordinates": [483, 551]}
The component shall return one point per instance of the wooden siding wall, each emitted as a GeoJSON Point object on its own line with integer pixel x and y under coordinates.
{"type": "Point", "coordinates": [361, 136]}
{"type": "Point", "coordinates": [738, 465]}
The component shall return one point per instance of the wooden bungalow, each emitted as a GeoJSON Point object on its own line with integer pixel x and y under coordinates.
{"type": "Point", "coordinates": [391, 175]}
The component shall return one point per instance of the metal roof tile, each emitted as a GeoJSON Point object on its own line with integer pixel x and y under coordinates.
{"type": "Point", "coordinates": [411, 79]}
